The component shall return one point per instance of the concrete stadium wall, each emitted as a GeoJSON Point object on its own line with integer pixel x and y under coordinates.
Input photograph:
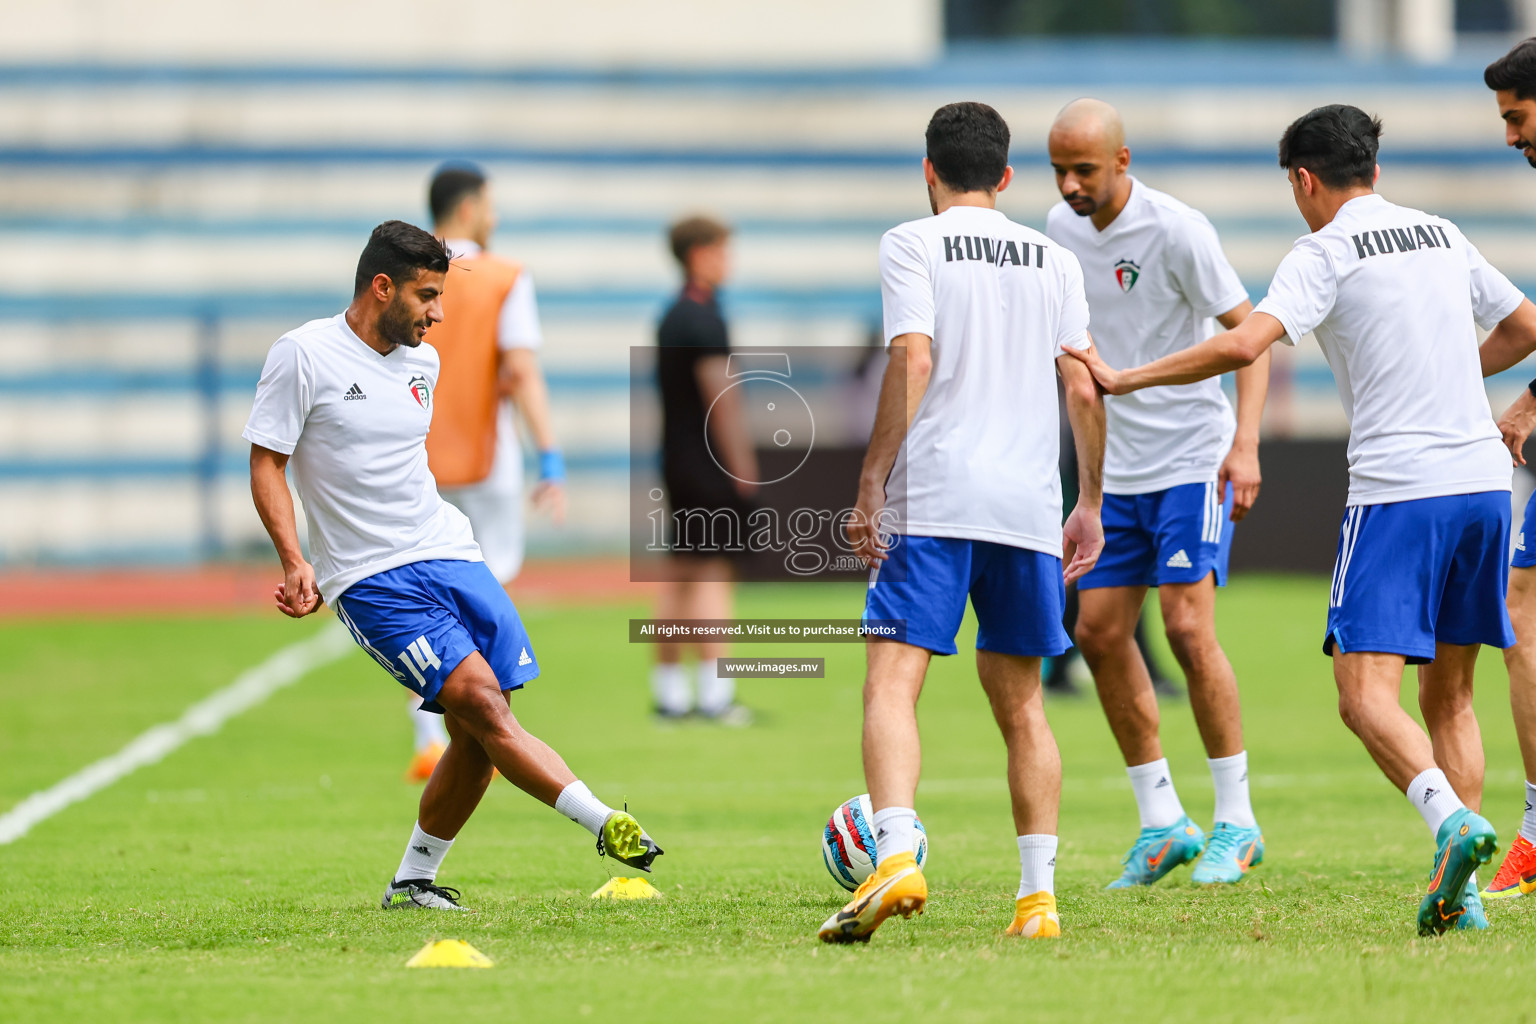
{"type": "Point", "coordinates": [160, 226]}
{"type": "Point", "coordinates": [669, 33]}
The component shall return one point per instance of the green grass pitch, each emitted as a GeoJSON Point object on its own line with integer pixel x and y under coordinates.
{"type": "Point", "coordinates": [239, 878]}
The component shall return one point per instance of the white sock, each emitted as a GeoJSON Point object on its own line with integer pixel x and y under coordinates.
{"type": "Point", "coordinates": [423, 856]}
{"type": "Point", "coordinates": [715, 694]}
{"type": "Point", "coordinates": [577, 803]}
{"type": "Point", "coordinates": [670, 689]}
{"type": "Point", "coordinates": [895, 828]}
{"type": "Point", "coordinates": [1230, 774]}
{"type": "Point", "coordinates": [1037, 865]}
{"type": "Point", "coordinates": [1528, 823]}
{"type": "Point", "coordinates": [1156, 799]}
{"type": "Point", "coordinates": [428, 727]}
{"type": "Point", "coordinates": [1431, 794]}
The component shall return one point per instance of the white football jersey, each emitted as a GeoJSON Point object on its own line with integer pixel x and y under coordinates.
{"type": "Point", "coordinates": [1155, 278]}
{"type": "Point", "coordinates": [355, 423]}
{"type": "Point", "coordinates": [1392, 294]}
{"type": "Point", "coordinates": [1000, 302]}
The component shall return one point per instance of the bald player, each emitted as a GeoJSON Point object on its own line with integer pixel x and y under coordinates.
{"type": "Point", "coordinates": [1179, 470]}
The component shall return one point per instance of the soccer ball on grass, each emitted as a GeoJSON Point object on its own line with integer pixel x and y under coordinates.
{"type": "Point", "coordinates": [848, 843]}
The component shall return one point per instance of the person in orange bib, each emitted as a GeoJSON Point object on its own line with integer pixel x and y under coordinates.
{"type": "Point", "coordinates": [488, 342]}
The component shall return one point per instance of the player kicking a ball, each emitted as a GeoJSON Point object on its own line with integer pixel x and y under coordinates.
{"type": "Point", "coordinates": [959, 496]}
{"type": "Point", "coordinates": [1392, 294]}
{"type": "Point", "coordinates": [1179, 469]}
{"type": "Point", "coordinates": [346, 403]}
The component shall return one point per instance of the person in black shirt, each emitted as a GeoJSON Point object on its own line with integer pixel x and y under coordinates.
{"type": "Point", "coordinates": [708, 467]}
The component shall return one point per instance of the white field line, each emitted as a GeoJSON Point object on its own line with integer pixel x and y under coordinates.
{"type": "Point", "coordinates": [251, 687]}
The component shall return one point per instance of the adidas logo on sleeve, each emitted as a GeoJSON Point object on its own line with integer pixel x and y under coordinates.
{"type": "Point", "coordinates": [523, 659]}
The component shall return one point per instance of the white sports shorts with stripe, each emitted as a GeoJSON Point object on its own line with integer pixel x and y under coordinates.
{"type": "Point", "coordinates": [1177, 535]}
{"type": "Point", "coordinates": [1410, 574]}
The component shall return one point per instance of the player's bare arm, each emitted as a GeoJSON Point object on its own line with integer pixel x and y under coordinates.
{"type": "Point", "coordinates": [1083, 532]}
{"type": "Point", "coordinates": [1220, 353]}
{"type": "Point", "coordinates": [1507, 344]}
{"type": "Point", "coordinates": [728, 423]}
{"type": "Point", "coordinates": [1241, 466]}
{"type": "Point", "coordinates": [298, 596]}
{"type": "Point", "coordinates": [522, 380]}
{"type": "Point", "coordinates": [901, 391]}
{"type": "Point", "coordinates": [1510, 341]}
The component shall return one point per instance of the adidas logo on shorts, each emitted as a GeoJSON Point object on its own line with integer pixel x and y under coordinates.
{"type": "Point", "coordinates": [523, 659]}
{"type": "Point", "coordinates": [1180, 560]}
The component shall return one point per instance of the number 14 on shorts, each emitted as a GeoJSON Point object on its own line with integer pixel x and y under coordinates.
{"type": "Point", "coordinates": [419, 657]}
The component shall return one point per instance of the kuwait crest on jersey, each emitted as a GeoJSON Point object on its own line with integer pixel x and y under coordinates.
{"type": "Point", "coordinates": [1126, 272]}
{"type": "Point", "coordinates": [420, 391]}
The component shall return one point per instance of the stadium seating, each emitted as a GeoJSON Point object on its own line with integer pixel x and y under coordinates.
{"type": "Point", "coordinates": [159, 228]}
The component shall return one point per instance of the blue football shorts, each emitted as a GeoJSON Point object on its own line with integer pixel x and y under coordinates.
{"type": "Point", "coordinates": [1410, 574]}
{"type": "Point", "coordinates": [1017, 593]}
{"type": "Point", "coordinates": [420, 620]}
{"type": "Point", "coordinates": [1178, 535]}
{"type": "Point", "coordinates": [1523, 557]}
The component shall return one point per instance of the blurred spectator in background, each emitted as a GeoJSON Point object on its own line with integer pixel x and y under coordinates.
{"type": "Point", "coordinates": [488, 342]}
{"type": "Point", "coordinates": [693, 373]}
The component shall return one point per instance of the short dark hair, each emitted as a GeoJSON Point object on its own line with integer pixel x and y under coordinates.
{"type": "Point", "coordinates": [450, 185]}
{"type": "Point", "coordinates": [692, 232]}
{"type": "Point", "coordinates": [400, 250]}
{"type": "Point", "coordinates": [1337, 143]}
{"type": "Point", "coordinates": [1516, 71]}
{"type": "Point", "coordinates": [968, 146]}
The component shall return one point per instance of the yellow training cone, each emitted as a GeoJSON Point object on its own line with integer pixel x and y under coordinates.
{"type": "Point", "coordinates": [449, 953]}
{"type": "Point", "coordinates": [627, 889]}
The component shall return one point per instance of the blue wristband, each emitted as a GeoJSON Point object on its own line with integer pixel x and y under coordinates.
{"type": "Point", "coordinates": [551, 466]}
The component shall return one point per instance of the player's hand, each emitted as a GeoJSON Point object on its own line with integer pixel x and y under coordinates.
{"type": "Point", "coordinates": [1082, 541]}
{"type": "Point", "coordinates": [549, 497]}
{"type": "Point", "coordinates": [1110, 380]}
{"type": "Point", "coordinates": [1516, 425]}
{"type": "Point", "coordinates": [863, 526]}
{"type": "Point", "coordinates": [298, 596]}
{"type": "Point", "coordinates": [1240, 469]}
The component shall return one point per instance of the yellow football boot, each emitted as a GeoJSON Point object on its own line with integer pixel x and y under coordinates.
{"type": "Point", "coordinates": [1034, 917]}
{"type": "Point", "coordinates": [896, 887]}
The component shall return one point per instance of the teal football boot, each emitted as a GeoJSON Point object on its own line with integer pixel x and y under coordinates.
{"type": "Point", "coordinates": [1472, 904]}
{"type": "Point", "coordinates": [1229, 853]}
{"type": "Point", "coordinates": [1465, 840]}
{"type": "Point", "coordinates": [1158, 851]}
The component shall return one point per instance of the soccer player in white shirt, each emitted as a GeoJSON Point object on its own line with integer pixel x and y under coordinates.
{"type": "Point", "coordinates": [490, 364]}
{"type": "Point", "coordinates": [1513, 80]}
{"type": "Point", "coordinates": [960, 497]}
{"type": "Point", "coordinates": [1179, 469]}
{"type": "Point", "coordinates": [1392, 294]}
{"type": "Point", "coordinates": [345, 403]}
